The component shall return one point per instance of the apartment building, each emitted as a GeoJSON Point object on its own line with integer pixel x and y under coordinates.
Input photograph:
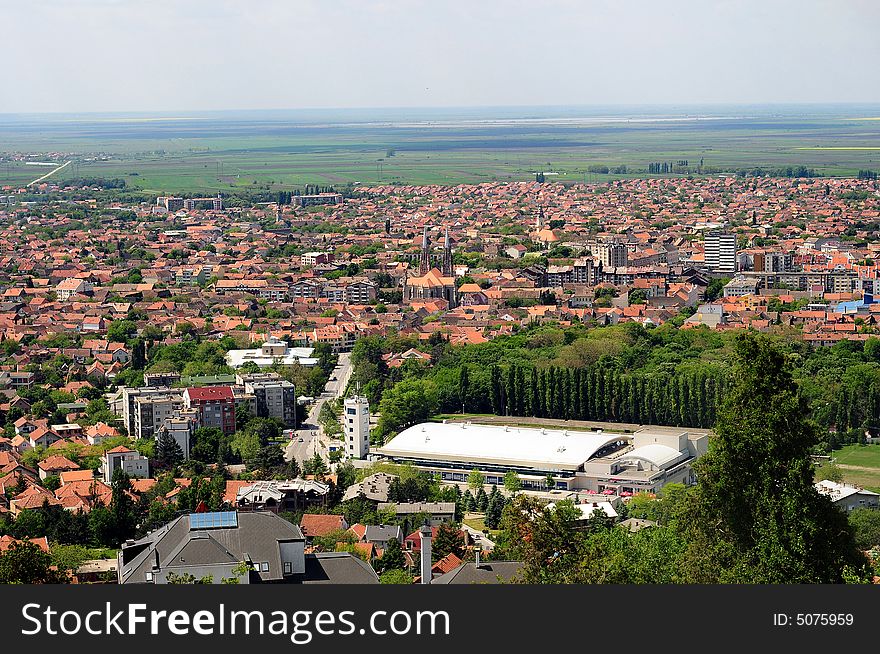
{"type": "Point", "coordinates": [129, 399]}
{"type": "Point", "coordinates": [581, 271]}
{"type": "Point", "coordinates": [181, 426]}
{"type": "Point", "coordinates": [152, 410]}
{"type": "Point", "coordinates": [320, 198]}
{"type": "Point", "coordinates": [720, 252]}
{"type": "Point", "coordinates": [170, 203]}
{"type": "Point", "coordinates": [274, 397]}
{"type": "Point", "coordinates": [215, 406]}
{"type": "Point", "coordinates": [309, 259]}
{"type": "Point", "coordinates": [611, 254]}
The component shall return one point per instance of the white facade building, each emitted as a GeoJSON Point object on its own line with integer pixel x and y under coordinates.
{"type": "Point", "coordinates": [272, 351]}
{"type": "Point", "coordinates": [847, 497]}
{"type": "Point", "coordinates": [595, 461]}
{"type": "Point", "coordinates": [356, 426]}
{"type": "Point", "coordinates": [720, 252]}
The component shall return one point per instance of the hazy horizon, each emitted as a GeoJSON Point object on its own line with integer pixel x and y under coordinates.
{"type": "Point", "coordinates": [489, 112]}
{"type": "Point", "coordinates": [124, 56]}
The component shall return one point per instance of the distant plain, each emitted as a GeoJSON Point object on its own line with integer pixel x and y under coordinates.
{"type": "Point", "coordinates": [228, 151]}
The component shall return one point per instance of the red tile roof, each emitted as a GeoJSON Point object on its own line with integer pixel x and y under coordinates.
{"type": "Point", "coordinates": [7, 541]}
{"type": "Point", "coordinates": [55, 463]}
{"type": "Point", "coordinates": [208, 393]}
{"type": "Point", "coordinates": [313, 524]}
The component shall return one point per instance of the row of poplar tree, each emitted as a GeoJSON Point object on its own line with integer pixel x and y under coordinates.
{"type": "Point", "coordinates": [681, 399]}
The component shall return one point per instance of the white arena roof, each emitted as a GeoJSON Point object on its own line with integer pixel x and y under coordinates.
{"type": "Point", "coordinates": [528, 447]}
{"type": "Point", "coordinates": [655, 453]}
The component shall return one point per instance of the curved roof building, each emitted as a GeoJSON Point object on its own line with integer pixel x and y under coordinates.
{"type": "Point", "coordinates": [596, 461]}
{"type": "Point", "coordinates": [498, 446]}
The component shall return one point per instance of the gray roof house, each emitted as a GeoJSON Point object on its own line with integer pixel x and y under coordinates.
{"type": "Point", "coordinates": [440, 512]}
{"type": "Point", "coordinates": [338, 568]}
{"type": "Point", "coordinates": [379, 535]}
{"type": "Point", "coordinates": [215, 545]}
{"type": "Point", "coordinates": [485, 572]}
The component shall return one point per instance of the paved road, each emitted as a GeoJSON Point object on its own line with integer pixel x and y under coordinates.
{"type": "Point", "coordinates": [310, 432]}
{"type": "Point", "coordinates": [51, 172]}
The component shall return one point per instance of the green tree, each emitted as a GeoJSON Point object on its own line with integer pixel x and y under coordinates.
{"type": "Point", "coordinates": [122, 508]}
{"type": "Point", "coordinates": [476, 480]}
{"type": "Point", "coordinates": [512, 482]}
{"type": "Point", "coordinates": [52, 482]}
{"type": "Point", "coordinates": [447, 541]}
{"type": "Point", "coordinates": [830, 472]}
{"type": "Point", "coordinates": [494, 511]}
{"type": "Point", "coordinates": [756, 516]}
{"type": "Point", "coordinates": [26, 563]}
{"type": "Point", "coordinates": [186, 578]}
{"type": "Point", "coordinates": [396, 576]}
{"type": "Point", "coordinates": [315, 466]}
{"type": "Point", "coordinates": [866, 524]}
{"type": "Point", "coordinates": [119, 331]}
{"type": "Point", "coordinates": [168, 453]}
{"type": "Point", "coordinates": [496, 392]}
{"type": "Point", "coordinates": [481, 500]}
{"type": "Point", "coordinates": [138, 355]}
{"type": "Point", "coordinates": [464, 386]}
{"type": "Point", "coordinates": [246, 444]}
{"type": "Point", "coordinates": [392, 558]}
{"type": "Point", "coordinates": [406, 403]}
{"type": "Point", "coordinates": [268, 460]}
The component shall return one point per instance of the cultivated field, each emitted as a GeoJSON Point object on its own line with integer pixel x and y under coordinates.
{"type": "Point", "coordinates": [189, 154]}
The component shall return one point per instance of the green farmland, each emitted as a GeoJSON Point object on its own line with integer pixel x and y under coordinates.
{"type": "Point", "coordinates": [196, 154]}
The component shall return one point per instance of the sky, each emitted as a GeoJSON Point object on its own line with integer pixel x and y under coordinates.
{"type": "Point", "coordinates": [196, 55]}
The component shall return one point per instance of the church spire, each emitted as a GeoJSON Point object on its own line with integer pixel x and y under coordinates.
{"type": "Point", "coordinates": [539, 221]}
{"type": "Point", "coordinates": [447, 255]}
{"type": "Point", "coordinates": [425, 259]}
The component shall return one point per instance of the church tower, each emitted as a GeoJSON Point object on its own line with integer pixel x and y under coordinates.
{"type": "Point", "coordinates": [447, 255]}
{"type": "Point", "coordinates": [539, 221]}
{"type": "Point", "coordinates": [425, 259]}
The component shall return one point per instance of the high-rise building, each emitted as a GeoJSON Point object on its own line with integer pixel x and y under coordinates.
{"type": "Point", "coordinates": [357, 427]}
{"type": "Point", "coordinates": [215, 405]}
{"type": "Point", "coordinates": [170, 203]}
{"type": "Point", "coordinates": [275, 397]}
{"type": "Point", "coordinates": [720, 252]}
{"type": "Point", "coordinates": [152, 410]}
{"type": "Point", "coordinates": [611, 254]}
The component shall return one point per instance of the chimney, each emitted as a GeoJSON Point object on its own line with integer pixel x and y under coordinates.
{"type": "Point", "coordinates": [425, 534]}
{"type": "Point", "coordinates": [477, 556]}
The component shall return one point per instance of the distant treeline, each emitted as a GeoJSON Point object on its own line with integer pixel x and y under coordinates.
{"type": "Point", "coordinates": [101, 182]}
{"type": "Point", "coordinates": [680, 166]}
{"type": "Point", "coordinates": [605, 170]}
{"type": "Point", "coordinates": [684, 167]}
{"type": "Point", "coordinates": [867, 174]}
{"type": "Point", "coordinates": [788, 171]}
